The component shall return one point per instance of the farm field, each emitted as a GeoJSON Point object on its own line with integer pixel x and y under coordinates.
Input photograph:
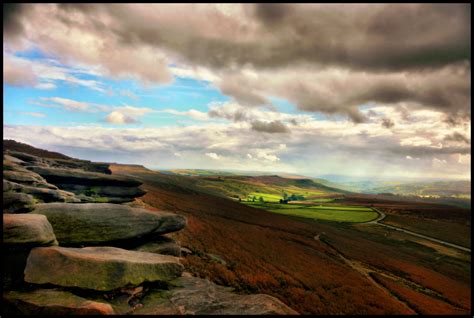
{"type": "Point", "coordinates": [338, 213]}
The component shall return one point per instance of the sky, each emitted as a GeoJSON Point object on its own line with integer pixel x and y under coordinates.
{"type": "Point", "coordinates": [363, 90]}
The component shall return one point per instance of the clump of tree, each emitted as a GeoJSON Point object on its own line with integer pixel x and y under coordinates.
{"type": "Point", "coordinates": [295, 197]}
{"type": "Point", "coordinates": [261, 199]}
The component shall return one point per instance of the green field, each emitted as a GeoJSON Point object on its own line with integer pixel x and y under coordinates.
{"type": "Point", "coordinates": [268, 197]}
{"type": "Point", "coordinates": [329, 213]}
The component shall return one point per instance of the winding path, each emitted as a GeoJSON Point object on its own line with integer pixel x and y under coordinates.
{"type": "Point", "coordinates": [382, 216]}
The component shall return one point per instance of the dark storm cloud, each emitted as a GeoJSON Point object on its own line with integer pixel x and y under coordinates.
{"type": "Point", "coordinates": [269, 127]}
{"type": "Point", "coordinates": [457, 137]}
{"type": "Point", "coordinates": [12, 16]}
{"type": "Point", "coordinates": [387, 123]}
{"type": "Point", "coordinates": [371, 37]}
{"type": "Point", "coordinates": [389, 53]}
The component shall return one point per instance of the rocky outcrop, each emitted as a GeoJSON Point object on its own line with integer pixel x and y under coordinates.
{"type": "Point", "coordinates": [27, 230]}
{"type": "Point", "coordinates": [75, 203]}
{"type": "Point", "coordinates": [98, 268]}
{"type": "Point", "coordinates": [52, 302]}
{"type": "Point", "coordinates": [82, 177]}
{"type": "Point", "coordinates": [27, 177]}
{"type": "Point", "coordinates": [40, 193]}
{"type": "Point", "coordinates": [195, 296]}
{"type": "Point", "coordinates": [161, 245]}
{"type": "Point", "coordinates": [100, 223]}
{"type": "Point", "coordinates": [14, 202]}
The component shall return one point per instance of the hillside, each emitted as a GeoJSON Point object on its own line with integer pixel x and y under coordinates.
{"type": "Point", "coordinates": [13, 145]}
{"type": "Point", "coordinates": [457, 189]}
{"type": "Point", "coordinates": [270, 187]}
{"type": "Point", "coordinates": [315, 267]}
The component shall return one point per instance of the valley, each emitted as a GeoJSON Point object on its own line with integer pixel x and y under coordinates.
{"type": "Point", "coordinates": [314, 264]}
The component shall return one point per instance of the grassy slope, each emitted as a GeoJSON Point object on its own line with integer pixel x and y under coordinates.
{"type": "Point", "coordinates": [271, 188]}
{"type": "Point", "coordinates": [278, 255]}
{"type": "Point", "coordinates": [338, 213]}
{"type": "Point", "coordinates": [13, 145]}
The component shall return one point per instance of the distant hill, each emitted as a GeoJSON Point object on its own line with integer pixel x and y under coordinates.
{"type": "Point", "coordinates": [13, 145]}
{"type": "Point", "coordinates": [460, 189]}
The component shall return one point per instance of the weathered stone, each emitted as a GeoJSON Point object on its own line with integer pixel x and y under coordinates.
{"type": "Point", "coordinates": [23, 177]}
{"type": "Point", "coordinates": [27, 229]}
{"type": "Point", "coordinates": [12, 159]}
{"type": "Point", "coordinates": [77, 176]}
{"type": "Point", "coordinates": [25, 157]}
{"type": "Point", "coordinates": [98, 268]}
{"type": "Point", "coordinates": [10, 186]}
{"type": "Point", "coordinates": [198, 296]}
{"type": "Point", "coordinates": [186, 251]}
{"type": "Point", "coordinates": [97, 223]}
{"type": "Point", "coordinates": [15, 202]}
{"type": "Point", "coordinates": [43, 194]}
{"type": "Point", "coordinates": [161, 245]}
{"type": "Point", "coordinates": [52, 302]}
{"type": "Point", "coordinates": [104, 191]}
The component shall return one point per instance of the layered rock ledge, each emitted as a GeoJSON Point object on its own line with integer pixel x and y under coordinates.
{"type": "Point", "coordinates": [99, 223]}
{"type": "Point", "coordinates": [98, 268]}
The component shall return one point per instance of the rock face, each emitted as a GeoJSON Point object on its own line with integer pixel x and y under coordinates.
{"type": "Point", "coordinates": [77, 176]}
{"type": "Point", "coordinates": [27, 230]}
{"type": "Point", "coordinates": [161, 245]}
{"type": "Point", "coordinates": [23, 177]}
{"type": "Point", "coordinates": [195, 296]}
{"type": "Point", "coordinates": [40, 193]}
{"type": "Point", "coordinates": [98, 268]}
{"type": "Point", "coordinates": [58, 198]}
{"type": "Point", "coordinates": [98, 223]}
{"type": "Point", "coordinates": [14, 202]}
{"type": "Point", "coordinates": [52, 302]}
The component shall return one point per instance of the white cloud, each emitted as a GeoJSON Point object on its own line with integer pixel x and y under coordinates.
{"type": "Point", "coordinates": [34, 114]}
{"type": "Point", "coordinates": [117, 117]}
{"type": "Point", "coordinates": [213, 155]}
{"type": "Point", "coordinates": [193, 113]}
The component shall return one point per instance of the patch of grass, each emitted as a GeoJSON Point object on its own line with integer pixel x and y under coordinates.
{"type": "Point", "coordinates": [330, 215]}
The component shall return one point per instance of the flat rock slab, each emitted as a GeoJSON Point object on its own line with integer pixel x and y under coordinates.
{"type": "Point", "coordinates": [53, 302]}
{"type": "Point", "coordinates": [98, 223]}
{"type": "Point", "coordinates": [27, 230]}
{"type": "Point", "coordinates": [23, 177]}
{"type": "Point", "coordinates": [161, 245]}
{"type": "Point", "coordinates": [15, 202]}
{"type": "Point", "coordinates": [103, 191]}
{"type": "Point", "coordinates": [39, 192]}
{"type": "Point", "coordinates": [98, 268]}
{"type": "Point", "coordinates": [77, 176]}
{"type": "Point", "coordinates": [196, 296]}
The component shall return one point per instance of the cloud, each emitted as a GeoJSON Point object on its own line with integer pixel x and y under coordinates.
{"type": "Point", "coordinates": [34, 114]}
{"type": "Point", "coordinates": [117, 117]}
{"type": "Point", "coordinates": [258, 119]}
{"type": "Point", "coordinates": [43, 73]}
{"type": "Point", "coordinates": [457, 137]}
{"type": "Point", "coordinates": [269, 127]}
{"type": "Point", "coordinates": [213, 155]}
{"type": "Point", "coordinates": [16, 73]}
{"type": "Point", "coordinates": [316, 146]}
{"type": "Point", "coordinates": [126, 115]}
{"type": "Point", "coordinates": [387, 123]}
{"type": "Point", "coordinates": [194, 114]}
{"type": "Point", "coordinates": [129, 93]}
{"type": "Point", "coordinates": [320, 57]}
{"type": "Point", "coordinates": [68, 104]}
